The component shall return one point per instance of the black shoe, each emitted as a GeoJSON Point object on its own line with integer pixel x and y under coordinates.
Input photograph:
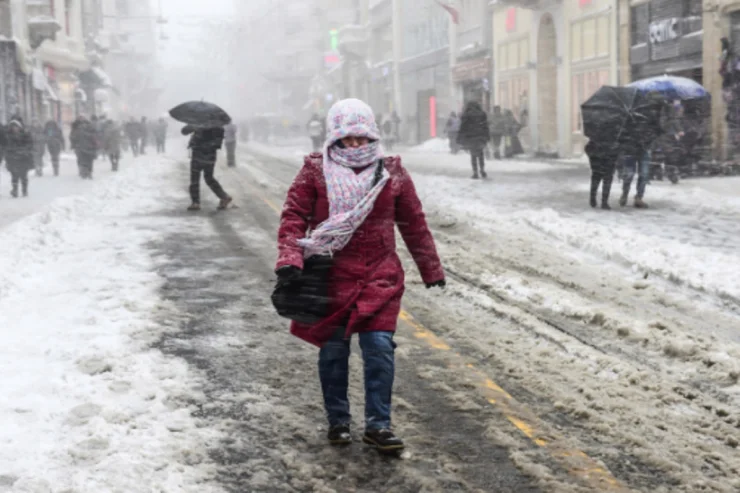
{"type": "Point", "coordinates": [14, 193]}
{"type": "Point", "coordinates": [475, 176]}
{"type": "Point", "coordinates": [484, 174]}
{"type": "Point", "coordinates": [383, 440]}
{"type": "Point", "coordinates": [339, 435]}
{"type": "Point", "coordinates": [606, 206]}
{"type": "Point", "coordinates": [593, 202]}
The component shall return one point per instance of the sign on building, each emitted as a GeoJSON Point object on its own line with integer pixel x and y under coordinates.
{"type": "Point", "coordinates": [664, 30]}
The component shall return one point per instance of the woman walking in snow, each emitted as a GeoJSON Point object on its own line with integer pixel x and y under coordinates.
{"type": "Point", "coordinates": [344, 204]}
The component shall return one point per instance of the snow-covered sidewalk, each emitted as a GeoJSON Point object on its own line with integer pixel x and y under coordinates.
{"type": "Point", "coordinates": [86, 404]}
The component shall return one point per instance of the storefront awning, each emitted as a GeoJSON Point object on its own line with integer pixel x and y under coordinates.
{"type": "Point", "coordinates": [103, 76]}
{"type": "Point", "coordinates": [95, 77]}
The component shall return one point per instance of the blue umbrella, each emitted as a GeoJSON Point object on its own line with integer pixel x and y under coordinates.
{"type": "Point", "coordinates": [672, 87]}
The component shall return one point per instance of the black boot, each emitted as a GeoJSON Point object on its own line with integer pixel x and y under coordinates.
{"type": "Point", "coordinates": [383, 440]}
{"type": "Point", "coordinates": [14, 192]}
{"type": "Point", "coordinates": [339, 435]}
{"type": "Point", "coordinates": [594, 190]}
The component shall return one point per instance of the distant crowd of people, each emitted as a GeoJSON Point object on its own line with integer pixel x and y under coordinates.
{"type": "Point", "coordinates": [483, 135]}
{"type": "Point", "coordinates": [23, 147]}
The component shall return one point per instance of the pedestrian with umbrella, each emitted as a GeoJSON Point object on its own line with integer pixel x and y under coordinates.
{"type": "Point", "coordinates": [205, 123]}
{"type": "Point", "coordinates": [616, 120]}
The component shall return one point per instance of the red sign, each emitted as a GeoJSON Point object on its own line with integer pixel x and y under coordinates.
{"type": "Point", "coordinates": [511, 20]}
{"type": "Point", "coordinates": [583, 3]}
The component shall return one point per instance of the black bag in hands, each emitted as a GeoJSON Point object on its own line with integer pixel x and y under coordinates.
{"type": "Point", "coordinates": [306, 299]}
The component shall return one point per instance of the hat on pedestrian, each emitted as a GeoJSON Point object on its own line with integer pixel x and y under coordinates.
{"type": "Point", "coordinates": [350, 117]}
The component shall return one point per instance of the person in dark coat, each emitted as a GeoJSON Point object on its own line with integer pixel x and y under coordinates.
{"type": "Point", "coordinates": [132, 133]}
{"type": "Point", "coordinates": [498, 130]}
{"type": "Point", "coordinates": [84, 140]}
{"type": "Point", "coordinates": [3, 142]}
{"type": "Point", "coordinates": [18, 155]}
{"type": "Point", "coordinates": [474, 136]}
{"type": "Point", "coordinates": [112, 143]}
{"type": "Point", "coordinates": [160, 135]}
{"type": "Point", "coordinates": [39, 146]}
{"type": "Point", "coordinates": [143, 135]}
{"type": "Point", "coordinates": [54, 143]}
{"type": "Point", "coordinates": [602, 155]}
{"type": "Point", "coordinates": [512, 128]}
{"type": "Point", "coordinates": [204, 145]}
{"type": "Point", "coordinates": [366, 280]}
{"type": "Point", "coordinates": [452, 129]}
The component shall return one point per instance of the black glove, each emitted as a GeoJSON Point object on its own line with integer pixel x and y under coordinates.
{"type": "Point", "coordinates": [288, 273]}
{"type": "Point", "coordinates": [437, 284]}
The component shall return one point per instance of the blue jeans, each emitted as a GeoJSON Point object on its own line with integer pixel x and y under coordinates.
{"type": "Point", "coordinates": [629, 165]}
{"type": "Point", "coordinates": [377, 354]}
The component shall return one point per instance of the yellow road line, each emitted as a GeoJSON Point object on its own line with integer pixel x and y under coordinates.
{"type": "Point", "coordinates": [577, 463]}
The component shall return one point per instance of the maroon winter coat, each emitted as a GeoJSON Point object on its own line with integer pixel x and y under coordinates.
{"type": "Point", "coordinates": [367, 278]}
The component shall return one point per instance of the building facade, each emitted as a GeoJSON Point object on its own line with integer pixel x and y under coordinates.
{"type": "Point", "coordinates": [424, 69]}
{"type": "Point", "coordinates": [549, 56]}
{"type": "Point", "coordinates": [470, 53]}
{"type": "Point", "coordinates": [721, 19]}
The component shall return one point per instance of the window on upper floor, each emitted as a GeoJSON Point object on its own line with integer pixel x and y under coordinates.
{"type": "Point", "coordinates": [122, 7]}
{"type": "Point", "coordinates": [6, 27]}
{"type": "Point", "coordinates": [590, 38]}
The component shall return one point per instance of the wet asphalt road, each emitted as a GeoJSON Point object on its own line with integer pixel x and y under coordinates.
{"type": "Point", "coordinates": [263, 396]}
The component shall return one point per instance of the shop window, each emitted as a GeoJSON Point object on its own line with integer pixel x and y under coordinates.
{"type": "Point", "coordinates": [589, 36]}
{"type": "Point", "coordinates": [583, 86]}
{"type": "Point", "coordinates": [640, 22]}
{"type": "Point", "coordinates": [503, 94]}
{"type": "Point", "coordinates": [503, 60]}
{"type": "Point", "coordinates": [513, 55]}
{"type": "Point", "coordinates": [692, 7]}
{"type": "Point", "coordinates": [523, 53]}
{"type": "Point", "coordinates": [576, 44]}
{"type": "Point", "coordinates": [6, 28]}
{"type": "Point", "coordinates": [577, 100]}
{"type": "Point", "coordinates": [602, 36]}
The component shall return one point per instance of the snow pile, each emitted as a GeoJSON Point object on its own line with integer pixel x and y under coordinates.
{"type": "Point", "coordinates": [441, 146]}
{"type": "Point", "coordinates": [695, 266]}
{"type": "Point", "coordinates": [290, 152]}
{"type": "Point", "coordinates": [86, 404]}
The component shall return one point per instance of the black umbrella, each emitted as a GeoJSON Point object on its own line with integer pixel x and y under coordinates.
{"type": "Point", "coordinates": [200, 114]}
{"type": "Point", "coordinates": [621, 114]}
